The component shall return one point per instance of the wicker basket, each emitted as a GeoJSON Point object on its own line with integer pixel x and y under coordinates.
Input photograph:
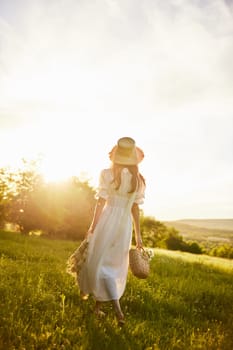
{"type": "Point", "coordinates": [139, 262]}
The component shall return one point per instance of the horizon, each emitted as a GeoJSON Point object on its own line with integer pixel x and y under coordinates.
{"type": "Point", "coordinates": [84, 176]}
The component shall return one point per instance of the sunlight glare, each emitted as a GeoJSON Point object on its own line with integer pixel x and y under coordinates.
{"type": "Point", "coordinates": [66, 151]}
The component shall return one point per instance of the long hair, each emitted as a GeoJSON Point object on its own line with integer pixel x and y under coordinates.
{"type": "Point", "coordinates": [136, 181]}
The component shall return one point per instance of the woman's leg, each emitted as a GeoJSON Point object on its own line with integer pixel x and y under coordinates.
{"type": "Point", "coordinates": [98, 311]}
{"type": "Point", "coordinates": [98, 305]}
{"type": "Point", "coordinates": [118, 311]}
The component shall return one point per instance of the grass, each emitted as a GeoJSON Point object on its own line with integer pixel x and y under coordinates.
{"type": "Point", "coordinates": [186, 303]}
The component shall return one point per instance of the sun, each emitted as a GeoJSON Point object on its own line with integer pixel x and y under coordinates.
{"type": "Point", "coordinates": [62, 146]}
{"type": "Point", "coordinates": [65, 153]}
{"type": "Point", "coordinates": [59, 160]}
{"type": "Point", "coordinates": [56, 169]}
{"type": "Point", "coordinates": [51, 144]}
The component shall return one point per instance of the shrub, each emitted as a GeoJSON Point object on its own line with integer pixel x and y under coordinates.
{"type": "Point", "coordinates": [223, 251]}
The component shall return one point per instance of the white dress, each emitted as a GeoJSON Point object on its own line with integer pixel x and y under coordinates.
{"type": "Point", "coordinates": [105, 270]}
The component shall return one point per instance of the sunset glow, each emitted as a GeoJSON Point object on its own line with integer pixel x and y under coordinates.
{"type": "Point", "coordinates": [75, 77]}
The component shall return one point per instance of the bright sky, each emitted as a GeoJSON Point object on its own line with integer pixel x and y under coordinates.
{"type": "Point", "coordinates": [77, 75]}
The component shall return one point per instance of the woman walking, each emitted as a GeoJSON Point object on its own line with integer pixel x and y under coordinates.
{"type": "Point", "coordinates": [120, 192]}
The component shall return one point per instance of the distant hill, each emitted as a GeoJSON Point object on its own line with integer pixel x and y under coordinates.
{"type": "Point", "coordinates": [212, 230]}
{"type": "Point", "coordinates": [222, 224]}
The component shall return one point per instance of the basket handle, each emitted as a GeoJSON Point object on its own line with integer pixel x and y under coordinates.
{"type": "Point", "coordinates": [143, 251]}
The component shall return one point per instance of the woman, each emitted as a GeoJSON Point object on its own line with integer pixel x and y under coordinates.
{"type": "Point", "coordinates": [121, 190]}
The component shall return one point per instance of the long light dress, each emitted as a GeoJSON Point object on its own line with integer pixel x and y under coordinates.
{"type": "Point", "coordinates": [105, 270]}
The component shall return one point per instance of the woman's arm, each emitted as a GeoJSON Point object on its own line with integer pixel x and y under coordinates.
{"type": "Point", "coordinates": [98, 210]}
{"type": "Point", "coordinates": [136, 221]}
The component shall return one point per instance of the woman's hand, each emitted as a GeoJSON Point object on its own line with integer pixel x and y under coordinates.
{"type": "Point", "coordinates": [139, 244]}
{"type": "Point", "coordinates": [98, 210]}
{"type": "Point", "coordinates": [138, 238]}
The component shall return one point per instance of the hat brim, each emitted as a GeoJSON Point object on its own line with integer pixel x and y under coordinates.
{"type": "Point", "coordinates": [134, 159]}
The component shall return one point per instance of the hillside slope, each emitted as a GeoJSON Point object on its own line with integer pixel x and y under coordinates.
{"type": "Point", "coordinates": [185, 303]}
{"type": "Point", "coordinates": [217, 224]}
{"type": "Point", "coordinates": [213, 230]}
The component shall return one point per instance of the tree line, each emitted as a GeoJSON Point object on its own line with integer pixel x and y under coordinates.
{"type": "Point", "coordinates": [64, 210]}
{"type": "Point", "coordinates": [61, 210]}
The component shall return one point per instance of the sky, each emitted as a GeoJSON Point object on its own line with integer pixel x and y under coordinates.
{"type": "Point", "coordinates": [77, 75]}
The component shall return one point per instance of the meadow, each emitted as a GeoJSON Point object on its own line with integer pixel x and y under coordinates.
{"type": "Point", "coordinates": [186, 303]}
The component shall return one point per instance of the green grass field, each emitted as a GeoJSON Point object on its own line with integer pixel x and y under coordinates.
{"type": "Point", "coordinates": [186, 303]}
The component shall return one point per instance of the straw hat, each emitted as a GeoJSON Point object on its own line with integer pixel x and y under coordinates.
{"type": "Point", "coordinates": [126, 152]}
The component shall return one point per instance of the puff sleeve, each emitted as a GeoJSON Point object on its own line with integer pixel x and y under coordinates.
{"type": "Point", "coordinates": [140, 195]}
{"type": "Point", "coordinates": [103, 186]}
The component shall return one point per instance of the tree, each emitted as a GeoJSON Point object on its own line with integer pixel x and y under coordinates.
{"type": "Point", "coordinates": [153, 231]}
{"type": "Point", "coordinates": [58, 209]}
{"type": "Point", "coordinates": [69, 207]}
{"type": "Point", "coordinates": [194, 248]}
{"type": "Point", "coordinates": [26, 183]}
{"type": "Point", "coordinates": [223, 251]}
{"type": "Point", "coordinates": [7, 193]}
{"type": "Point", "coordinates": [174, 241]}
